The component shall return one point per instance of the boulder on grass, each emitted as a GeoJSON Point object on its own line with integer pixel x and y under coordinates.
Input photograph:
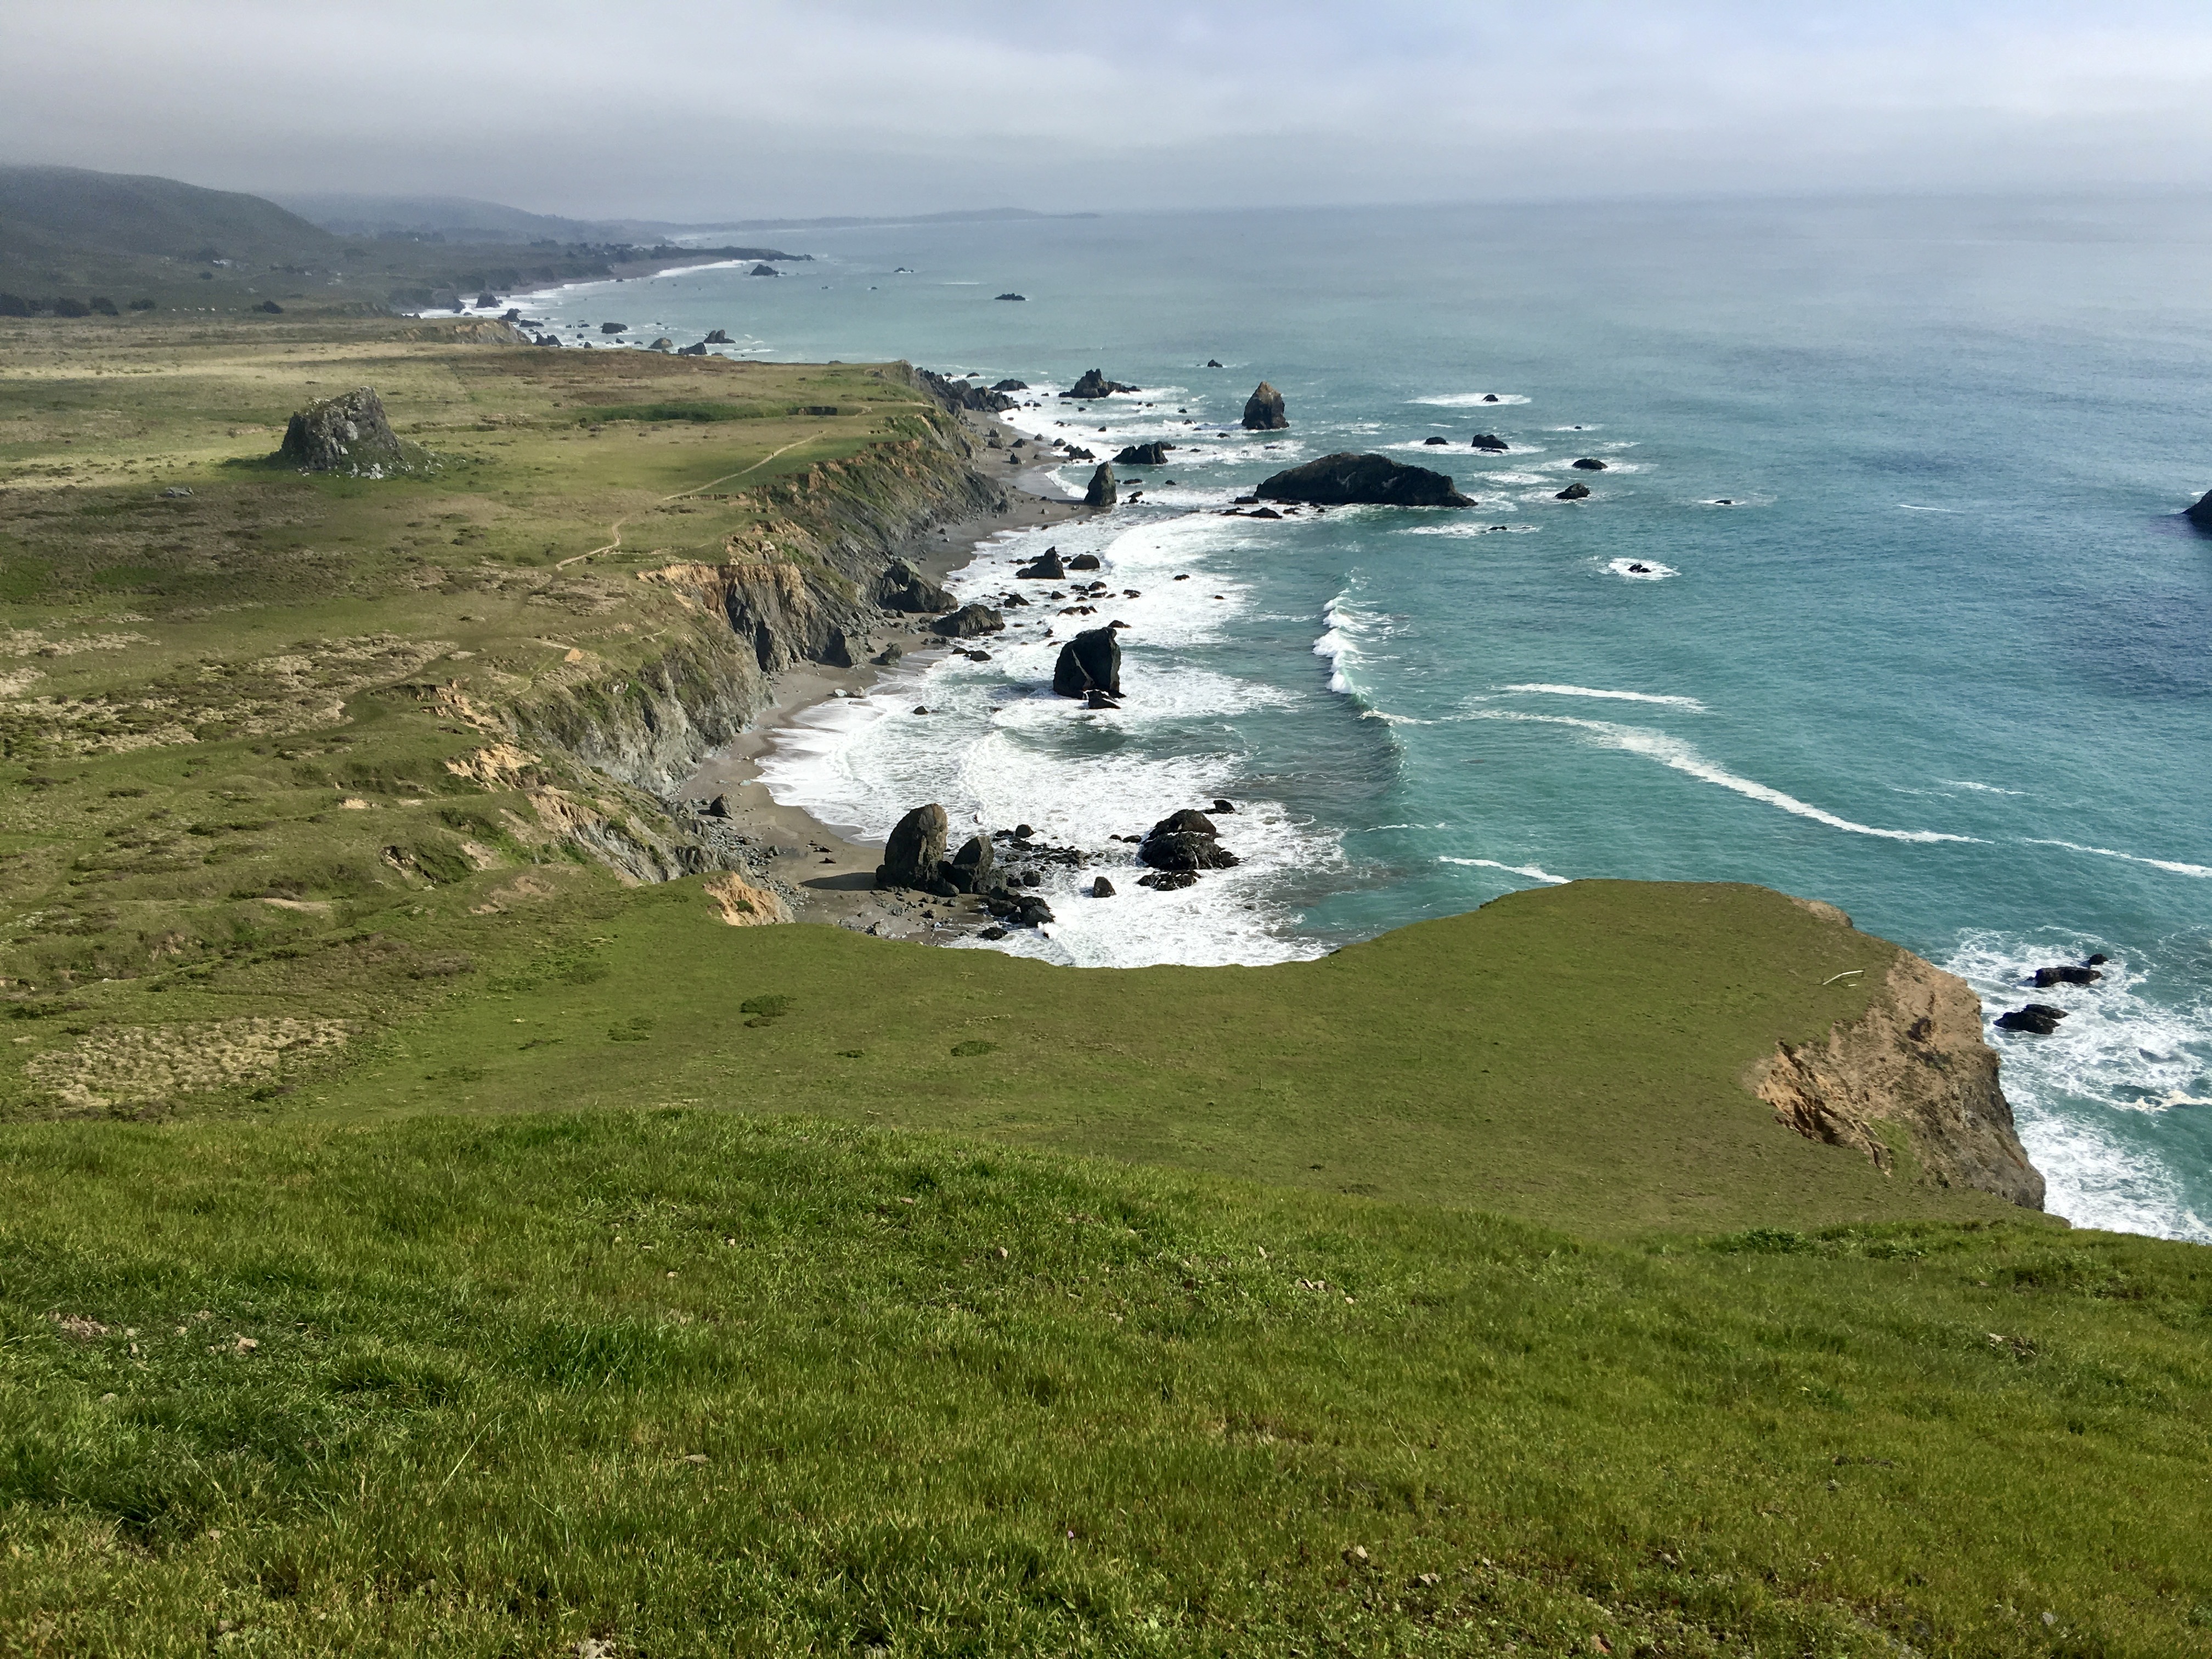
{"type": "Point", "coordinates": [348, 433]}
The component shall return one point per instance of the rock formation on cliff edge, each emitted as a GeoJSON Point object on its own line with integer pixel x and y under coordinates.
{"type": "Point", "coordinates": [1914, 1063]}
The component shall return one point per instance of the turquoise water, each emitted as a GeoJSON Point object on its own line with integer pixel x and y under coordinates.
{"type": "Point", "coordinates": [1946, 661]}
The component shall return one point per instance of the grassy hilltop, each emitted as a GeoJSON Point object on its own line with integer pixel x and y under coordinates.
{"type": "Point", "coordinates": [425, 1229]}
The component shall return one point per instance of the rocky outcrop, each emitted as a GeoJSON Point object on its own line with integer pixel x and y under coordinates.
{"type": "Point", "coordinates": [744, 904]}
{"type": "Point", "coordinates": [1573, 492]}
{"type": "Point", "coordinates": [1263, 411]}
{"type": "Point", "coordinates": [1103, 491]}
{"type": "Point", "coordinates": [2036, 1018]}
{"type": "Point", "coordinates": [1153, 455]}
{"type": "Point", "coordinates": [961, 394]}
{"type": "Point", "coordinates": [348, 433]}
{"type": "Point", "coordinates": [1091, 661]}
{"type": "Point", "coordinates": [1914, 1065]}
{"type": "Point", "coordinates": [1084, 561]}
{"type": "Point", "coordinates": [1345, 479]}
{"type": "Point", "coordinates": [1096, 385]}
{"type": "Point", "coordinates": [1181, 844]}
{"type": "Point", "coordinates": [967, 622]}
{"type": "Point", "coordinates": [916, 848]}
{"type": "Point", "coordinates": [903, 588]}
{"type": "Point", "coordinates": [1490, 443]}
{"type": "Point", "coordinates": [763, 269]}
{"type": "Point", "coordinates": [971, 868]}
{"type": "Point", "coordinates": [1045, 568]}
{"type": "Point", "coordinates": [1590, 464]}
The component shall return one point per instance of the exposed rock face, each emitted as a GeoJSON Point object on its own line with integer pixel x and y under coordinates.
{"type": "Point", "coordinates": [1916, 1059]}
{"type": "Point", "coordinates": [1343, 478]}
{"type": "Point", "coordinates": [1263, 411]}
{"type": "Point", "coordinates": [1091, 661]}
{"type": "Point", "coordinates": [346, 433]}
{"type": "Point", "coordinates": [743, 905]}
{"type": "Point", "coordinates": [903, 588]}
{"type": "Point", "coordinates": [1096, 385]}
{"type": "Point", "coordinates": [959, 394]}
{"type": "Point", "coordinates": [916, 848]}
{"type": "Point", "coordinates": [1153, 455]}
{"type": "Point", "coordinates": [1102, 493]}
{"type": "Point", "coordinates": [971, 867]}
{"type": "Point", "coordinates": [967, 622]}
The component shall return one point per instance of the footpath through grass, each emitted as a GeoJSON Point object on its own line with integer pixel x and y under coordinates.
{"type": "Point", "coordinates": [696, 1383]}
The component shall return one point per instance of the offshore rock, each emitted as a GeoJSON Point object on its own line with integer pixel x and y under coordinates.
{"type": "Point", "coordinates": [2038, 1018]}
{"type": "Point", "coordinates": [916, 848]}
{"type": "Point", "coordinates": [1091, 661]}
{"type": "Point", "coordinates": [967, 622]}
{"type": "Point", "coordinates": [1573, 492]}
{"type": "Point", "coordinates": [1103, 492]}
{"type": "Point", "coordinates": [1916, 1059]}
{"type": "Point", "coordinates": [2065, 973]}
{"type": "Point", "coordinates": [1155, 454]}
{"type": "Point", "coordinates": [1590, 464]}
{"type": "Point", "coordinates": [1096, 385]}
{"type": "Point", "coordinates": [1490, 443]}
{"type": "Point", "coordinates": [1376, 480]}
{"type": "Point", "coordinates": [1045, 568]}
{"type": "Point", "coordinates": [1263, 411]}
{"type": "Point", "coordinates": [347, 434]}
{"type": "Point", "coordinates": [2201, 514]}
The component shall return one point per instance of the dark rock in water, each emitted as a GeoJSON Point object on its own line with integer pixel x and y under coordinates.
{"type": "Point", "coordinates": [1144, 455]}
{"type": "Point", "coordinates": [1188, 822]}
{"type": "Point", "coordinates": [995, 934]}
{"type": "Point", "coordinates": [1343, 478]}
{"type": "Point", "coordinates": [2098, 960]}
{"type": "Point", "coordinates": [1263, 512]}
{"type": "Point", "coordinates": [1221, 805]}
{"type": "Point", "coordinates": [1010, 386]}
{"type": "Point", "coordinates": [1096, 385]}
{"type": "Point", "coordinates": [1640, 569]}
{"type": "Point", "coordinates": [1490, 443]}
{"type": "Point", "coordinates": [1590, 464]}
{"type": "Point", "coordinates": [486, 301]}
{"type": "Point", "coordinates": [1102, 493]}
{"type": "Point", "coordinates": [2038, 1017]}
{"type": "Point", "coordinates": [2065, 975]}
{"type": "Point", "coordinates": [916, 848]}
{"type": "Point", "coordinates": [1263, 411]}
{"type": "Point", "coordinates": [1099, 700]}
{"type": "Point", "coordinates": [1045, 568]}
{"type": "Point", "coordinates": [971, 868]}
{"type": "Point", "coordinates": [664, 344]}
{"type": "Point", "coordinates": [902, 587]}
{"type": "Point", "coordinates": [1213, 362]}
{"type": "Point", "coordinates": [1011, 296]}
{"type": "Point", "coordinates": [1091, 661]}
{"type": "Point", "coordinates": [2201, 514]}
{"type": "Point", "coordinates": [1489, 397]}
{"type": "Point", "coordinates": [718, 337]}
{"type": "Point", "coordinates": [346, 433]}
{"type": "Point", "coordinates": [1084, 561]}
{"type": "Point", "coordinates": [1186, 852]}
{"type": "Point", "coordinates": [699, 350]}
{"type": "Point", "coordinates": [1102, 888]}
{"type": "Point", "coordinates": [614, 328]}
{"type": "Point", "coordinates": [763, 269]}
{"type": "Point", "coordinates": [967, 622]}
{"type": "Point", "coordinates": [1573, 492]}
{"type": "Point", "coordinates": [1167, 881]}
{"type": "Point", "coordinates": [1437, 443]}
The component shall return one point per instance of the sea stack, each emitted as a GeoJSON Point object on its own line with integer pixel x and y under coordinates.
{"type": "Point", "coordinates": [1103, 492]}
{"type": "Point", "coordinates": [2201, 514]}
{"type": "Point", "coordinates": [1263, 411]}
{"type": "Point", "coordinates": [1343, 479]}
{"type": "Point", "coordinates": [1091, 661]}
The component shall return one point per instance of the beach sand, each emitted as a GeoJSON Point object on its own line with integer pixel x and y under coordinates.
{"type": "Point", "coordinates": [832, 876]}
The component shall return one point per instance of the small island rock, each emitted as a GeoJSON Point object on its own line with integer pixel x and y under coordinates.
{"type": "Point", "coordinates": [1345, 479]}
{"type": "Point", "coordinates": [1263, 411]}
{"type": "Point", "coordinates": [1091, 661]}
{"type": "Point", "coordinates": [1103, 492]}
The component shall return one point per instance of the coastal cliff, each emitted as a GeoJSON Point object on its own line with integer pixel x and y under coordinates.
{"type": "Point", "coordinates": [1911, 1084]}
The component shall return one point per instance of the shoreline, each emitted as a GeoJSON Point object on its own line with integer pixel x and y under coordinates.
{"type": "Point", "coordinates": [831, 872]}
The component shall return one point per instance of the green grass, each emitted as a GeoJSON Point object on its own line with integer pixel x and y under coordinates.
{"type": "Point", "coordinates": [704, 1383]}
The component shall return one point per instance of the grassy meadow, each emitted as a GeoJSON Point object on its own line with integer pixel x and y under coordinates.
{"type": "Point", "coordinates": [416, 1238]}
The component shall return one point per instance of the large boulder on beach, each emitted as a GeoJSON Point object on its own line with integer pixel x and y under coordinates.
{"type": "Point", "coordinates": [916, 848]}
{"type": "Point", "coordinates": [1263, 411]}
{"type": "Point", "coordinates": [1104, 492]}
{"type": "Point", "coordinates": [2201, 514]}
{"type": "Point", "coordinates": [967, 622]}
{"type": "Point", "coordinates": [347, 434]}
{"type": "Point", "coordinates": [971, 867]}
{"type": "Point", "coordinates": [903, 588]}
{"type": "Point", "coordinates": [1345, 479]}
{"type": "Point", "coordinates": [1096, 385]}
{"type": "Point", "coordinates": [1091, 661]}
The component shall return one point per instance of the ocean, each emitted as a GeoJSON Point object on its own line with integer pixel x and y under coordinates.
{"type": "Point", "coordinates": [1880, 597]}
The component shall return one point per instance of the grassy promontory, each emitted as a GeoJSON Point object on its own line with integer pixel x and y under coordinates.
{"type": "Point", "coordinates": [424, 1229]}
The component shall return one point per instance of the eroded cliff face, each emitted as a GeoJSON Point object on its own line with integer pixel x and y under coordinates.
{"type": "Point", "coordinates": [1916, 1061]}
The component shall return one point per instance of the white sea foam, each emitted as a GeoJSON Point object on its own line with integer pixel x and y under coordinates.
{"type": "Point", "coordinates": [2081, 1094]}
{"type": "Point", "coordinates": [1531, 871]}
{"type": "Point", "coordinates": [1470, 399]}
{"type": "Point", "coordinates": [1691, 703]}
{"type": "Point", "coordinates": [2172, 865]}
{"type": "Point", "coordinates": [1674, 752]}
{"type": "Point", "coordinates": [1979, 789]}
{"type": "Point", "coordinates": [1653, 571]}
{"type": "Point", "coordinates": [1463, 529]}
{"type": "Point", "coordinates": [1907, 507]}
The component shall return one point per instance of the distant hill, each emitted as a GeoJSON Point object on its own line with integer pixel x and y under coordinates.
{"type": "Point", "coordinates": [137, 214]}
{"type": "Point", "coordinates": [454, 218]}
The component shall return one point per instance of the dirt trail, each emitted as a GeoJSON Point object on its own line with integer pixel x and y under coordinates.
{"type": "Point", "coordinates": [615, 529]}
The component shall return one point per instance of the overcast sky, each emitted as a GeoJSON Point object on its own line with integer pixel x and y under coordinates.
{"type": "Point", "coordinates": [748, 108]}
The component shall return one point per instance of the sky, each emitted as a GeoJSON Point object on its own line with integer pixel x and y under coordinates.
{"type": "Point", "coordinates": [699, 110]}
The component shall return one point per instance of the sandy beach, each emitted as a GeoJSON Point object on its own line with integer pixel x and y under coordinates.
{"type": "Point", "coordinates": [831, 877]}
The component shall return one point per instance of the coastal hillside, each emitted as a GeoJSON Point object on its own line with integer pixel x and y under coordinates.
{"type": "Point", "coordinates": [445, 1205]}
